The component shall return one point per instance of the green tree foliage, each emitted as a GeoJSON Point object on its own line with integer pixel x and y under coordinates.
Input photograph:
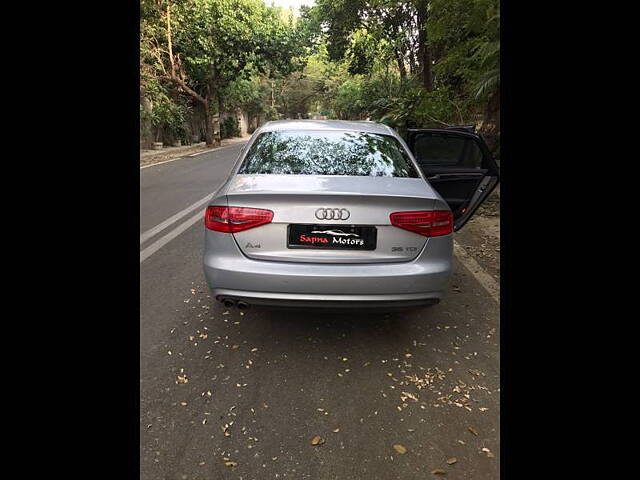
{"type": "Point", "coordinates": [200, 47]}
{"type": "Point", "coordinates": [408, 63]}
{"type": "Point", "coordinates": [230, 128]}
{"type": "Point", "coordinates": [249, 94]}
{"type": "Point", "coordinates": [170, 118]}
{"type": "Point", "coordinates": [379, 50]}
{"type": "Point", "coordinates": [301, 92]}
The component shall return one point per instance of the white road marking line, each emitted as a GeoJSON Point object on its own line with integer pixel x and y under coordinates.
{"type": "Point", "coordinates": [160, 163]}
{"type": "Point", "coordinates": [480, 274]}
{"type": "Point", "coordinates": [162, 241]}
{"type": "Point", "coordinates": [192, 155]}
{"type": "Point", "coordinates": [158, 228]}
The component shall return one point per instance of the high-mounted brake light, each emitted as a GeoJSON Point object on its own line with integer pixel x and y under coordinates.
{"type": "Point", "coordinates": [235, 219]}
{"type": "Point", "coordinates": [428, 223]}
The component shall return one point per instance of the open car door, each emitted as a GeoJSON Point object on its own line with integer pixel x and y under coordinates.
{"type": "Point", "coordinates": [458, 165]}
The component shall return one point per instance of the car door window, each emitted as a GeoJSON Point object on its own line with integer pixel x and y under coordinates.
{"type": "Point", "coordinates": [446, 150]}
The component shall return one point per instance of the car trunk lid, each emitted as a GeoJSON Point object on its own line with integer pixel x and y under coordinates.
{"type": "Point", "coordinates": [319, 203]}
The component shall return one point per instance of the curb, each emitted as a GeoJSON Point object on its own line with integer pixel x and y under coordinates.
{"type": "Point", "coordinates": [151, 153]}
{"type": "Point", "coordinates": [199, 152]}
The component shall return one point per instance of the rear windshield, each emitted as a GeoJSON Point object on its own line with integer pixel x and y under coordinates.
{"type": "Point", "coordinates": [328, 153]}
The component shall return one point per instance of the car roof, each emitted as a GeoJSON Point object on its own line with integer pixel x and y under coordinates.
{"type": "Point", "coordinates": [363, 126]}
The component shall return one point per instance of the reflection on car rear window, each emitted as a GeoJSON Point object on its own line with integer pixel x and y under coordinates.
{"type": "Point", "coordinates": [328, 153]}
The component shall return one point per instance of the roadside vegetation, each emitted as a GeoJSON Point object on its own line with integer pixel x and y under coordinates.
{"type": "Point", "coordinates": [411, 63]}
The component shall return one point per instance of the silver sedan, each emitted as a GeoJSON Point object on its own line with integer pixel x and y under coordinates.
{"type": "Point", "coordinates": [337, 213]}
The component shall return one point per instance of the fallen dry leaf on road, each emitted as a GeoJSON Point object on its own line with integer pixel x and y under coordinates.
{"type": "Point", "coordinates": [336, 430]}
{"type": "Point", "coordinates": [400, 449]}
{"type": "Point", "coordinates": [473, 430]}
{"type": "Point", "coordinates": [438, 471]}
{"type": "Point", "coordinates": [410, 395]}
{"type": "Point", "coordinates": [231, 464]}
{"type": "Point", "coordinates": [488, 452]}
{"type": "Point", "coordinates": [317, 440]}
{"type": "Point", "coordinates": [452, 460]}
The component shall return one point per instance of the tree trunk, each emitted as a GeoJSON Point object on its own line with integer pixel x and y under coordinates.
{"type": "Point", "coordinates": [427, 75]}
{"type": "Point", "coordinates": [273, 99]}
{"type": "Point", "coordinates": [412, 62]}
{"type": "Point", "coordinates": [401, 66]}
{"type": "Point", "coordinates": [491, 122]}
{"type": "Point", "coordinates": [146, 129]}
{"type": "Point", "coordinates": [208, 127]}
{"type": "Point", "coordinates": [217, 124]}
{"type": "Point", "coordinates": [424, 50]}
{"type": "Point", "coordinates": [218, 131]}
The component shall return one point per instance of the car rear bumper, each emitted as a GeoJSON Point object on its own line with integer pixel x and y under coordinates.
{"type": "Point", "coordinates": [330, 301]}
{"type": "Point", "coordinates": [231, 274]}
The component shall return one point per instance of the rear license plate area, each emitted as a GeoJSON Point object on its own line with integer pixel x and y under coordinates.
{"type": "Point", "coordinates": [332, 237]}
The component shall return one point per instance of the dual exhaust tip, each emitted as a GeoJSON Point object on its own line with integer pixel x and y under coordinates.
{"type": "Point", "coordinates": [230, 303]}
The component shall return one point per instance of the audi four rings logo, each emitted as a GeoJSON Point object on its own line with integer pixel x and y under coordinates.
{"type": "Point", "coordinates": [332, 214]}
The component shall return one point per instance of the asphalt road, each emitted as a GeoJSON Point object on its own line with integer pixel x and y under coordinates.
{"type": "Point", "coordinates": [255, 389]}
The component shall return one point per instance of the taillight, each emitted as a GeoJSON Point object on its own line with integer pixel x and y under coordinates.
{"type": "Point", "coordinates": [427, 223]}
{"type": "Point", "coordinates": [235, 219]}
